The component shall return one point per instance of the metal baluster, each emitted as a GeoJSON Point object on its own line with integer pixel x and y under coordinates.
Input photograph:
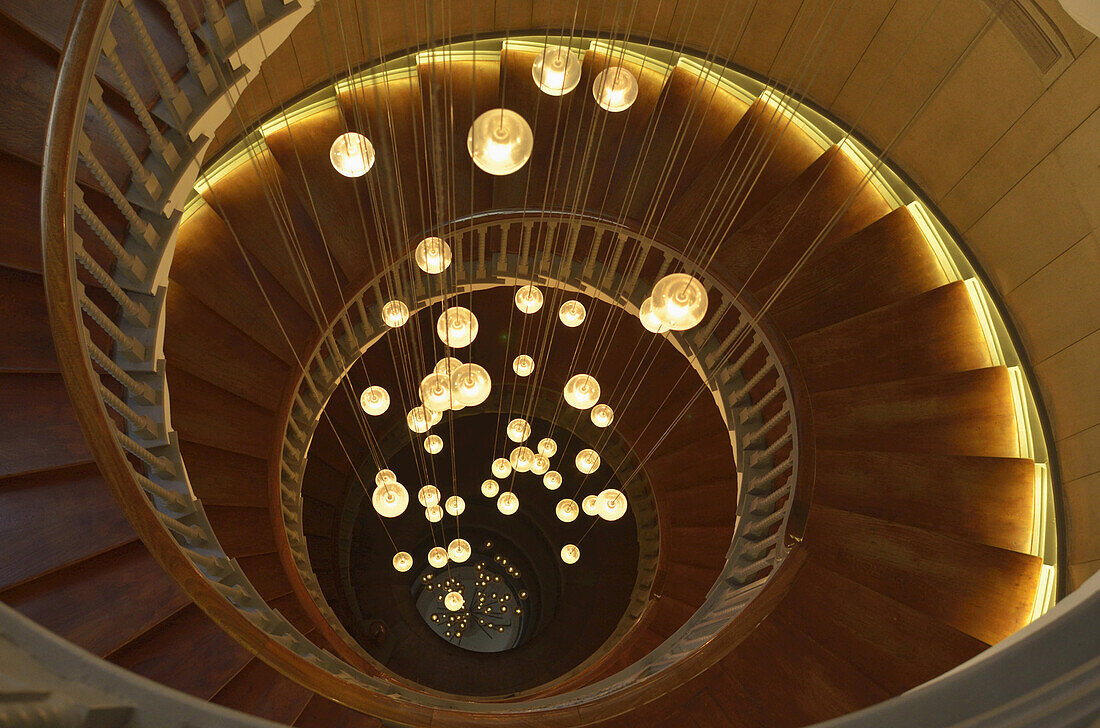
{"type": "Point", "coordinates": [524, 248]}
{"type": "Point", "coordinates": [195, 61]}
{"type": "Point", "coordinates": [479, 234]}
{"type": "Point", "coordinates": [753, 411]}
{"type": "Point", "coordinates": [767, 427]}
{"type": "Point", "coordinates": [178, 500]}
{"type": "Point", "coordinates": [762, 455]}
{"type": "Point", "coordinates": [741, 394]}
{"type": "Point", "coordinates": [175, 99]}
{"type": "Point", "coordinates": [219, 21]}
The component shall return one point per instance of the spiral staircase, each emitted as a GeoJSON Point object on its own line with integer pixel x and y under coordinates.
{"type": "Point", "coordinates": [851, 513]}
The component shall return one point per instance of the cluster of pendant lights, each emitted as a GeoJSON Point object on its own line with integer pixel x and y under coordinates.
{"type": "Point", "coordinates": [500, 142]}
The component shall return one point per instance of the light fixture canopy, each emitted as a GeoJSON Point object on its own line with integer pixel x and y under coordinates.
{"type": "Point", "coordinates": [615, 89]}
{"type": "Point", "coordinates": [395, 314]}
{"type": "Point", "coordinates": [374, 400]}
{"type": "Point", "coordinates": [556, 71]}
{"type": "Point", "coordinates": [351, 154]}
{"type": "Point", "coordinates": [432, 255]}
{"type": "Point", "coordinates": [500, 141]}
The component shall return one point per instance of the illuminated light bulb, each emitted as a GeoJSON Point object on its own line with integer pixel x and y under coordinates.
{"type": "Point", "coordinates": [582, 391]}
{"type": "Point", "coordinates": [455, 505]}
{"type": "Point", "coordinates": [567, 510]}
{"type": "Point", "coordinates": [522, 458]}
{"type": "Point", "coordinates": [572, 313]}
{"type": "Point", "coordinates": [556, 71]}
{"type": "Point", "coordinates": [528, 299]}
{"type": "Point", "coordinates": [490, 488]}
{"type": "Point", "coordinates": [351, 154]}
{"type": "Point", "coordinates": [459, 550]}
{"type": "Point", "coordinates": [395, 314]}
{"type": "Point", "coordinates": [500, 141]}
{"type": "Point", "coordinates": [601, 415]}
{"type": "Point", "coordinates": [454, 601]}
{"type": "Point", "coordinates": [433, 444]}
{"type": "Point", "coordinates": [508, 503]}
{"type": "Point", "coordinates": [434, 514]}
{"type": "Point", "coordinates": [374, 400]}
{"type": "Point", "coordinates": [470, 385]}
{"type": "Point", "coordinates": [402, 561]}
{"type": "Point", "coordinates": [435, 392]}
{"type": "Point", "coordinates": [428, 496]}
{"type": "Point", "coordinates": [679, 301]}
{"type": "Point", "coordinates": [548, 447]}
{"type": "Point", "coordinates": [649, 318]}
{"type": "Point", "coordinates": [518, 430]}
{"type": "Point", "coordinates": [457, 327]}
{"type": "Point", "coordinates": [552, 480]}
{"type": "Point", "coordinates": [570, 554]}
{"type": "Point", "coordinates": [421, 419]}
{"type": "Point", "coordinates": [432, 255]}
{"type": "Point", "coordinates": [590, 505]}
{"type": "Point", "coordinates": [437, 557]}
{"type": "Point", "coordinates": [523, 365]}
{"type": "Point", "coordinates": [384, 477]}
{"type": "Point", "coordinates": [540, 465]}
{"type": "Point", "coordinates": [502, 467]}
{"type": "Point", "coordinates": [446, 365]}
{"type": "Point", "coordinates": [587, 461]}
{"type": "Point", "coordinates": [611, 504]}
{"type": "Point", "coordinates": [390, 500]}
{"type": "Point", "coordinates": [615, 89]}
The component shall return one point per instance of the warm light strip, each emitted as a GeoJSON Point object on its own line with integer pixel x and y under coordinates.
{"type": "Point", "coordinates": [923, 217]}
{"type": "Point", "coordinates": [1044, 592]}
{"type": "Point", "coordinates": [625, 52]}
{"type": "Point", "coordinates": [985, 320]}
{"type": "Point", "coordinates": [401, 70]}
{"type": "Point", "coordinates": [1039, 513]}
{"type": "Point", "coordinates": [865, 161]}
{"type": "Point", "coordinates": [250, 148]}
{"type": "Point", "coordinates": [736, 84]}
{"type": "Point", "coordinates": [1023, 420]}
{"type": "Point", "coordinates": [322, 101]}
{"type": "Point", "coordinates": [789, 108]}
{"type": "Point", "coordinates": [538, 45]}
{"type": "Point", "coordinates": [466, 54]}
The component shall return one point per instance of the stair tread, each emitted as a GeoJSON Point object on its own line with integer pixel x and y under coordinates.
{"type": "Point", "coordinates": [266, 573]}
{"type": "Point", "coordinates": [205, 413]}
{"type": "Point", "coordinates": [321, 712]}
{"type": "Point", "coordinates": [222, 477]}
{"type": "Point", "coordinates": [242, 531]}
{"type": "Point", "coordinates": [39, 429]}
{"type": "Point", "coordinates": [260, 690]}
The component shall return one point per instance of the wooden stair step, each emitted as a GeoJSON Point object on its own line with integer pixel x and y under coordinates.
{"type": "Point", "coordinates": [188, 652]}
{"type": "Point", "coordinates": [120, 593]}
{"type": "Point", "coordinates": [323, 713]}
{"type": "Point", "coordinates": [978, 499]}
{"type": "Point", "coordinates": [242, 531]}
{"type": "Point", "coordinates": [55, 518]}
{"type": "Point", "coordinates": [27, 344]}
{"type": "Point", "coordinates": [983, 591]}
{"type": "Point", "coordinates": [39, 428]}
{"type": "Point", "coordinates": [687, 582]}
{"type": "Point", "coordinates": [203, 412]}
{"type": "Point", "coordinates": [669, 614]}
{"type": "Point", "coordinates": [933, 333]}
{"type": "Point", "coordinates": [225, 478]}
{"type": "Point", "coordinates": [262, 691]}
{"type": "Point", "coordinates": [886, 262]}
{"type": "Point", "coordinates": [700, 545]}
{"type": "Point", "coordinates": [960, 413]}
{"type": "Point", "coordinates": [266, 573]}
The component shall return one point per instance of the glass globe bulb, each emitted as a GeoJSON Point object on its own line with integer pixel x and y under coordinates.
{"type": "Point", "coordinates": [470, 385]}
{"type": "Point", "coordinates": [572, 313]}
{"type": "Point", "coordinates": [567, 510]}
{"type": "Point", "coordinates": [435, 392]}
{"type": "Point", "coordinates": [502, 467]}
{"type": "Point", "coordinates": [611, 504]}
{"type": "Point", "coordinates": [522, 458]}
{"type": "Point", "coordinates": [374, 400]}
{"type": "Point", "coordinates": [402, 561]}
{"type": "Point", "coordinates": [589, 505]}
{"type": "Point", "coordinates": [528, 299]}
{"type": "Point", "coordinates": [395, 314]}
{"type": "Point", "coordinates": [552, 480]}
{"type": "Point", "coordinates": [490, 488]}
{"type": "Point", "coordinates": [615, 89]}
{"type": "Point", "coordinates": [679, 301]}
{"type": "Point", "coordinates": [508, 503]}
{"type": "Point", "coordinates": [582, 391]}
{"type": "Point", "coordinates": [433, 444]}
{"type": "Point", "coordinates": [459, 550]}
{"type": "Point", "coordinates": [570, 554]}
{"type": "Point", "coordinates": [556, 71]}
{"type": "Point", "coordinates": [587, 461]}
{"type": "Point", "coordinates": [390, 500]}
{"type": "Point", "coordinates": [649, 318]}
{"type": "Point", "coordinates": [601, 415]}
{"type": "Point", "coordinates": [351, 154]}
{"type": "Point", "coordinates": [437, 557]}
{"type": "Point", "coordinates": [432, 255]}
{"type": "Point", "coordinates": [518, 430]}
{"type": "Point", "coordinates": [500, 141]}
{"type": "Point", "coordinates": [523, 365]}
{"type": "Point", "coordinates": [446, 365]}
{"type": "Point", "coordinates": [434, 514]}
{"type": "Point", "coordinates": [457, 327]}
{"type": "Point", "coordinates": [548, 447]}
{"type": "Point", "coordinates": [428, 496]}
{"type": "Point", "coordinates": [421, 419]}
{"type": "Point", "coordinates": [455, 505]}
{"type": "Point", "coordinates": [453, 601]}
{"type": "Point", "coordinates": [384, 477]}
{"type": "Point", "coordinates": [540, 465]}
